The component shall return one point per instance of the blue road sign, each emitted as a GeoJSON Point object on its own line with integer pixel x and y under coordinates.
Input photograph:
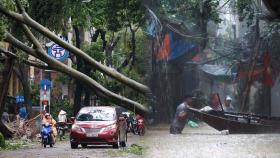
{"type": "Point", "coordinates": [57, 52]}
{"type": "Point", "coordinates": [48, 84]}
{"type": "Point", "coordinates": [19, 99]}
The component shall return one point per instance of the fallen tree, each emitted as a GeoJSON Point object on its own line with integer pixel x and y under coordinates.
{"type": "Point", "coordinates": [38, 52]}
{"type": "Point", "coordinates": [25, 19]}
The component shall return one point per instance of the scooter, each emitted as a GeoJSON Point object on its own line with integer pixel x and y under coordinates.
{"type": "Point", "coordinates": [133, 126]}
{"type": "Point", "coordinates": [46, 135]}
{"type": "Point", "coordinates": [61, 128]}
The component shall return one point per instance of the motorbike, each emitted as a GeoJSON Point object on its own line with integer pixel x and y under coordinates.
{"type": "Point", "coordinates": [132, 125]}
{"type": "Point", "coordinates": [46, 134]}
{"type": "Point", "coordinates": [61, 128]}
{"type": "Point", "coordinates": [137, 126]}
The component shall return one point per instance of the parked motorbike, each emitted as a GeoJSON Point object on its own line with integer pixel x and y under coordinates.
{"type": "Point", "coordinates": [137, 125]}
{"type": "Point", "coordinates": [46, 135]}
{"type": "Point", "coordinates": [132, 125]}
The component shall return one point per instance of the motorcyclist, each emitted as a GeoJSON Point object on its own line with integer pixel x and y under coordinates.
{"type": "Point", "coordinates": [62, 120]}
{"type": "Point", "coordinates": [48, 119]}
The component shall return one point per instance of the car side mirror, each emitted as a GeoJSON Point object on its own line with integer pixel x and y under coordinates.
{"type": "Point", "coordinates": [121, 118]}
{"type": "Point", "coordinates": [72, 119]}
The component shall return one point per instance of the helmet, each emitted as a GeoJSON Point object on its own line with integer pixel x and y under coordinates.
{"type": "Point", "coordinates": [228, 98]}
{"type": "Point", "coordinates": [61, 112]}
{"type": "Point", "coordinates": [47, 114]}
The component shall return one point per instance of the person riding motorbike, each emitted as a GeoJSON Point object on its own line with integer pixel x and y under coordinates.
{"type": "Point", "coordinates": [61, 124]}
{"type": "Point", "coordinates": [48, 119]}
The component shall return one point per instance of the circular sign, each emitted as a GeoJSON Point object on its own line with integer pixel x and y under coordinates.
{"type": "Point", "coordinates": [58, 52]}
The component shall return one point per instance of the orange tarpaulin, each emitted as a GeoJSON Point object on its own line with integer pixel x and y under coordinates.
{"type": "Point", "coordinates": [164, 51]}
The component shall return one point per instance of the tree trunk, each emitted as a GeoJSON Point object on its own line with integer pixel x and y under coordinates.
{"type": "Point", "coordinates": [130, 60]}
{"type": "Point", "coordinates": [21, 71]}
{"type": "Point", "coordinates": [87, 91]}
{"type": "Point", "coordinates": [5, 78]}
{"type": "Point", "coordinates": [133, 47]}
{"type": "Point", "coordinates": [79, 85]}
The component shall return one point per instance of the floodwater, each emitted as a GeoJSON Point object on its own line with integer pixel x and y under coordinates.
{"type": "Point", "coordinates": [206, 142]}
{"type": "Point", "coordinates": [202, 142]}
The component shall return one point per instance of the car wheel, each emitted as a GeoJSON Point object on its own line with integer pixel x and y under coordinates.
{"type": "Point", "coordinates": [84, 145]}
{"type": "Point", "coordinates": [74, 146]}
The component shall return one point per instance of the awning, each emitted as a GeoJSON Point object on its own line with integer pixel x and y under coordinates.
{"type": "Point", "coordinates": [217, 72]}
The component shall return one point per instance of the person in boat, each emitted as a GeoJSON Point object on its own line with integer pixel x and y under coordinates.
{"type": "Point", "coordinates": [181, 115]}
{"type": "Point", "coordinates": [227, 105]}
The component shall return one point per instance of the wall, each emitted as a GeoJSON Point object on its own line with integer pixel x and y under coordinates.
{"type": "Point", "coordinates": [275, 98]}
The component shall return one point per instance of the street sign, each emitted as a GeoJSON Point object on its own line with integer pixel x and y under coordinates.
{"type": "Point", "coordinates": [19, 99]}
{"type": "Point", "coordinates": [48, 84]}
{"type": "Point", "coordinates": [57, 52]}
{"type": "Point", "coordinates": [45, 94]}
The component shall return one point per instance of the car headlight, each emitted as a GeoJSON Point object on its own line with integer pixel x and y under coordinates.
{"type": "Point", "coordinates": [76, 127]}
{"type": "Point", "coordinates": [108, 128]}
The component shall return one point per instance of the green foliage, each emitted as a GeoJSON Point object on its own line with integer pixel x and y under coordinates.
{"type": "Point", "coordinates": [133, 149]}
{"type": "Point", "coordinates": [94, 50]}
{"type": "Point", "coordinates": [2, 140]}
{"type": "Point", "coordinates": [271, 29]}
{"type": "Point", "coordinates": [246, 10]}
{"type": "Point", "coordinates": [4, 23]}
{"type": "Point", "coordinates": [3, 27]}
{"type": "Point", "coordinates": [14, 145]}
{"type": "Point", "coordinates": [191, 10]}
{"type": "Point", "coordinates": [49, 13]}
{"type": "Point", "coordinates": [35, 94]}
{"type": "Point", "coordinates": [63, 104]}
{"type": "Point", "coordinates": [62, 78]}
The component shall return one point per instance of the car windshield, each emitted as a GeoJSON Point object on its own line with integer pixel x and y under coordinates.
{"type": "Point", "coordinates": [97, 115]}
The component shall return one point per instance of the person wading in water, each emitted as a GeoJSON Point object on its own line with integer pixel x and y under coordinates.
{"type": "Point", "coordinates": [181, 116]}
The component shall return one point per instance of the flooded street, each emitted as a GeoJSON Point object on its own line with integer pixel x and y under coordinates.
{"type": "Point", "coordinates": [202, 142]}
{"type": "Point", "coordinates": [205, 142]}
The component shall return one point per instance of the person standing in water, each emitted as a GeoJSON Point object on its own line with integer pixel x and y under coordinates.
{"type": "Point", "coordinates": [181, 116]}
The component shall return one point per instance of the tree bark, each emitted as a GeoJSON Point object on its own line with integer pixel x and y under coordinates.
{"type": "Point", "coordinates": [6, 75]}
{"type": "Point", "coordinates": [132, 55]}
{"type": "Point", "coordinates": [79, 85]}
{"type": "Point", "coordinates": [22, 73]}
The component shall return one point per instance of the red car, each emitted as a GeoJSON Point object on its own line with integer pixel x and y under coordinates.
{"type": "Point", "coordinates": [98, 125]}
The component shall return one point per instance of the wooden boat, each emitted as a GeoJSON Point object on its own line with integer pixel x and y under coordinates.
{"type": "Point", "coordinates": [238, 123]}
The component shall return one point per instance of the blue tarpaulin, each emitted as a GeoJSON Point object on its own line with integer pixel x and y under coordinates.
{"type": "Point", "coordinates": [179, 46]}
{"type": "Point", "coordinates": [173, 46]}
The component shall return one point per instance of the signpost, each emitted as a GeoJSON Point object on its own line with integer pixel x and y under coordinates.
{"type": "Point", "coordinates": [45, 89]}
